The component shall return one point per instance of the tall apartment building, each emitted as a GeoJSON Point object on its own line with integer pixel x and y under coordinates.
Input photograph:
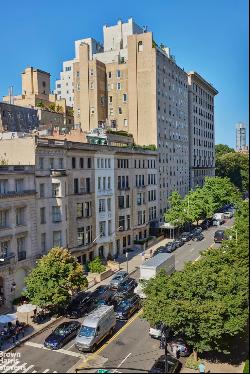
{"type": "Point", "coordinates": [136, 86]}
{"type": "Point", "coordinates": [18, 239]}
{"type": "Point", "coordinates": [241, 137]}
{"type": "Point", "coordinates": [78, 187]}
{"type": "Point", "coordinates": [201, 129]}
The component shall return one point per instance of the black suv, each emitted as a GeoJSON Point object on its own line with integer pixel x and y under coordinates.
{"type": "Point", "coordinates": [186, 236]}
{"type": "Point", "coordinates": [79, 306]}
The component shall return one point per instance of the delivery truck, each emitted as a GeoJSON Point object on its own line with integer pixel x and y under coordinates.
{"type": "Point", "coordinates": [150, 268]}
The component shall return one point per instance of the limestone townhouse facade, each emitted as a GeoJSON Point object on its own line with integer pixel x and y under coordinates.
{"type": "Point", "coordinates": [95, 200]}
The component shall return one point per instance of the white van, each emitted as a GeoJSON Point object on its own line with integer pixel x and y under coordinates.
{"type": "Point", "coordinates": [95, 327]}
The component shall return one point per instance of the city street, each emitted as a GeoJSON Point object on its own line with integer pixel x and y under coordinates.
{"type": "Point", "coordinates": [130, 347]}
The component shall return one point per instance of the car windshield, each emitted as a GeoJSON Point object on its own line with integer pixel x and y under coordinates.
{"type": "Point", "coordinates": [60, 331]}
{"type": "Point", "coordinates": [87, 331]}
{"type": "Point", "coordinates": [123, 304]}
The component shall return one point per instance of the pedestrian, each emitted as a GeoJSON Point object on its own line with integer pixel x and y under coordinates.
{"type": "Point", "coordinates": [175, 350]}
{"type": "Point", "coordinates": [201, 367]}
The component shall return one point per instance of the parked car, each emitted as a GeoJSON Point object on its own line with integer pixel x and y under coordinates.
{"type": "Point", "coordinates": [118, 278]}
{"type": "Point", "coordinates": [127, 286]}
{"type": "Point", "coordinates": [126, 308]}
{"type": "Point", "coordinates": [181, 345]}
{"type": "Point", "coordinates": [186, 236]}
{"type": "Point", "coordinates": [198, 237]}
{"type": "Point", "coordinates": [95, 327]}
{"type": "Point", "coordinates": [62, 335]}
{"type": "Point", "coordinates": [206, 223]}
{"type": "Point", "coordinates": [197, 230]}
{"type": "Point", "coordinates": [79, 306]}
{"type": "Point", "coordinates": [104, 299]}
{"type": "Point", "coordinates": [228, 214]}
{"type": "Point", "coordinates": [219, 236]}
{"type": "Point", "coordinates": [170, 247]}
{"type": "Point", "coordinates": [179, 242]}
{"type": "Point", "coordinates": [162, 250]}
{"type": "Point", "coordinates": [174, 365]}
{"type": "Point", "coordinates": [156, 331]}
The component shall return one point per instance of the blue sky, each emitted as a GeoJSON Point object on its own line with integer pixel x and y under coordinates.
{"type": "Point", "coordinates": [210, 37]}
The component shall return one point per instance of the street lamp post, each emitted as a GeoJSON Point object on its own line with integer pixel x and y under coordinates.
{"type": "Point", "coordinates": [164, 344]}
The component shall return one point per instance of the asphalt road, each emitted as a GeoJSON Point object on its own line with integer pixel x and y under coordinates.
{"type": "Point", "coordinates": [130, 348]}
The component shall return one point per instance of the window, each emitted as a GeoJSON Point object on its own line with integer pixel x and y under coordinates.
{"type": "Point", "coordinates": [21, 253]}
{"type": "Point", "coordinates": [88, 185]}
{"type": "Point", "coordinates": [41, 163]}
{"type": "Point", "coordinates": [43, 242]}
{"type": "Point", "coordinates": [19, 185]}
{"type": "Point", "coordinates": [118, 86]}
{"type": "Point", "coordinates": [80, 236]}
{"type": "Point", "coordinates": [68, 68]}
{"type": "Point", "coordinates": [56, 214]}
{"type": "Point", "coordinates": [104, 183]}
{"type": "Point", "coordinates": [109, 227]}
{"type": "Point", "coordinates": [101, 205]}
{"type": "Point", "coordinates": [102, 228]}
{"type": "Point", "coordinates": [61, 163]}
{"type": "Point", "coordinates": [89, 163]}
{"type": "Point", "coordinates": [120, 110]}
{"type": "Point", "coordinates": [42, 216]}
{"type": "Point", "coordinates": [140, 46]}
{"type": "Point", "coordinates": [88, 209]}
{"type": "Point", "coordinates": [121, 223]}
{"type": "Point", "coordinates": [20, 216]}
{"type": "Point", "coordinates": [110, 99]}
{"type": "Point", "coordinates": [55, 189]}
{"type": "Point", "coordinates": [4, 249]}
{"type": "Point", "coordinates": [99, 183]}
{"type": "Point", "coordinates": [92, 110]}
{"type": "Point", "coordinates": [118, 73]}
{"type": "Point", "coordinates": [121, 203]}
{"type": "Point", "coordinates": [57, 238]}
{"type": "Point", "coordinates": [88, 235]}
{"type": "Point", "coordinates": [128, 222]}
{"type": "Point", "coordinates": [3, 186]}
{"type": "Point", "coordinates": [127, 201]}
{"type": "Point", "coordinates": [3, 218]}
{"type": "Point", "coordinates": [109, 204]}
{"type": "Point", "coordinates": [76, 186]}
{"type": "Point", "coordinates": [92, 72]}
{"type": "Point", "coordinates": [81, 163]}
{"type": "Point", "coordinates": [109, 183]}
{"type": "Point", "coordinates": [125, 97]}
{"type": "Point", "coordinates": [125, 122]}
{"type": "Point", "coordinates": [51, 163]}
{"type": "Point", "coordinates": [109, 74]}
{"type": "Point", "coordinates": [79, 210]}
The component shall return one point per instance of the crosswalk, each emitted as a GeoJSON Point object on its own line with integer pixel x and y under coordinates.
{"type": "Point", "coordinates": [18, 367]}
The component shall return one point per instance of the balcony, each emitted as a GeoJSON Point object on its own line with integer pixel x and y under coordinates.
{"type": "Point", "coordinates": [21, 256]}
{"type": "Point", "coordinates": [107, 192]}
{"type": "Point", "coordinates": [58, 173]}
{"type": "Point", "coordinates": [14, 194]}
{"type": "Point", "coordinates": [7, 259]}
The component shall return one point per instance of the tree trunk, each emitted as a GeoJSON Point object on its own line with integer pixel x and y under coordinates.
{"type": "Point", "coordinates": [195, 355]}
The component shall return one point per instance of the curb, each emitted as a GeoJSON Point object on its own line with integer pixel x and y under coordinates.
{"type": "Point", "coordinates": [32, 335]}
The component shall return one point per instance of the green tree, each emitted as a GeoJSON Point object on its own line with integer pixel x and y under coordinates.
{"type": "Point", "coordinates": [96, 266]}
{"type": "Point", "coordinates": [235, 166]}
{"type": "Point", "coordinates": [40, 104]}
{"type": "Point", "coordinates": [207, 302]}
{"type": "Point", "coordinates": [222, 149]}
{"type": "Point", "coordinates": [56, 277]}
{"type": "Point", "coordinates": [52, 107]}
{"type": "Point", "coordinates": [176, 214]}
{"type": "Point", "coordinates": [3, 161]}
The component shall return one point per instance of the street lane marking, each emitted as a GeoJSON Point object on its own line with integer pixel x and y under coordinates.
{"type": "Point", "coordinates": [91, 357]}
{"type": "Point", "coordinates": [124, 360]}
{"type": "Point", "coordinates": [63, 351]}
{"type": "Point", "coordinates": [71, 347]}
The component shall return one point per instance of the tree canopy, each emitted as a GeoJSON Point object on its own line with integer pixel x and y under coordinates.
{"type": "Point", "coordinates": [222, 149]}
{"type": "Point", "coordinates": [207, 302]}
{"type": "Point", "coordinates": [201, 202]}
{"type": "Point", "coordinates": [235, 166]}
{"type": "Point", "coordinates": [55, 278]}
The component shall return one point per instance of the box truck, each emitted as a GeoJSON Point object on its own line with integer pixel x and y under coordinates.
{"type": "Point", "coordinates": [151, 267]}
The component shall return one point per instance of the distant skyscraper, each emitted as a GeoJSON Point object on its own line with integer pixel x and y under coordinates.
{"type": "Point", "coordinates": [240, 136]}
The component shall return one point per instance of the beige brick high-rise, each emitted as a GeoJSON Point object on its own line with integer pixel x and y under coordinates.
{"type": "Point", "coordinates": [135, 85]}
